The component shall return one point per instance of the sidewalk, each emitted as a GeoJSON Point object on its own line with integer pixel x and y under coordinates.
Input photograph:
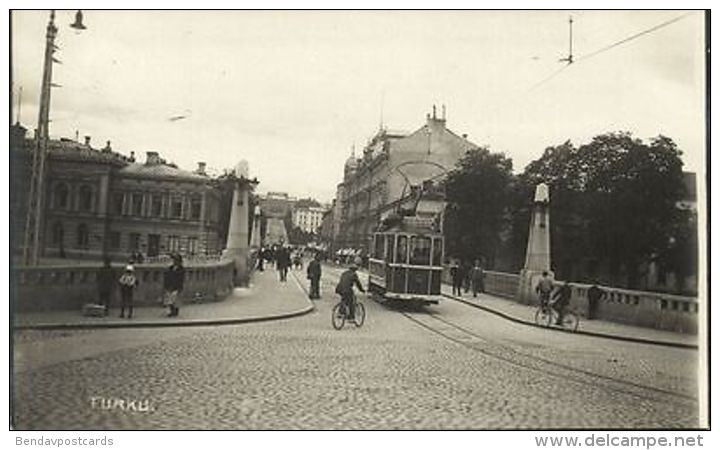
{"type": "Point", "coordinates": [265, 299]}
{"type": "Point", "coordinates": [525, 314]}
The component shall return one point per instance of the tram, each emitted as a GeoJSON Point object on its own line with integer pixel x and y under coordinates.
{"type": "Point", "coordinates": [405, 263]}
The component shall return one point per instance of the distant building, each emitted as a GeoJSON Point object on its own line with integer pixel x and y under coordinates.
{"type": "Point", "coordinates": [392, 164]}
{"type": "Point", "coordinates": [276, 204]}
{"type": "Point", "coordinates": [307, 215]}
{"type": "Point", "coordinates": [99, 202]}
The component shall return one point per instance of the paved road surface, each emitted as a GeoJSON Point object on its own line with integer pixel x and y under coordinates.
{"type": "Point", "coordinates": [446, 367]}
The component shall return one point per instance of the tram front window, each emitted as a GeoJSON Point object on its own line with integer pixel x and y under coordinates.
{"type": "Point", "coordinates": [379, 246]}
{"type": "Point", "coordinates": [389, 248]}
{"type": "Point", "coordinates": [420, 251]}
{"type": "Point", "coordinates": [401, 253]}
{"type": "Point", "coordinates": [437, 252]}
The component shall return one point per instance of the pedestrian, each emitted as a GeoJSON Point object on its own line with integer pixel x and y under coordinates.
{"type": "Point", "coordinates": [561, 301]}
{"type": "Point", "coordinates": [594, 294]}
{"type": "Point", "coordinates": [477, 278]}
{"type": "Point", "coordinates": [261, 259]}
{"type": "Point", "coordinates": [282, 261]}
{"type": "Point", "coordinates": [456, 275]}
{"type": "Point", "coordinates": [465, 269]}
{"type": "Point", "coordinates": [173, 283]}
{"type": "Point", "coordinates": [105, 284]}
{"type": "Point", "coordinates": [544, 288]}
{"type": "Point", "coordinates": [314, 272]}
{"type": "Point", "coordinates": [128, 282]}
{"type": "Point", "coordinates": [348, 280]}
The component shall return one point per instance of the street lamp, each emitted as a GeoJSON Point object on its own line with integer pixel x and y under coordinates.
{"type": "Point", "coordinates": [33, 222]}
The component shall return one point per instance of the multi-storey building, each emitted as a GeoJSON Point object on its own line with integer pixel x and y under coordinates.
{"type": "Point", "coordinates": [392, 164]}
{"type": "Point", "coordinates": [307, 215]}
{"type": "Point", "coordinates": [99, 202]}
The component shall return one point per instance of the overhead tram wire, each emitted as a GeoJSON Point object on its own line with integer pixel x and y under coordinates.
{"type": "Point", "coordinates": [604, 49]}
{"type": "Point", "coordinates": [633, 37]}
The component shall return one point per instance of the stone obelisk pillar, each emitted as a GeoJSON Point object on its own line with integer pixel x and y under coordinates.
{"type": "Point", "coordinates": [255, 238]}
{"type": "Point", "coordinates": [237, 248]}
{"type": "Point", "coordinates": [537, 257]}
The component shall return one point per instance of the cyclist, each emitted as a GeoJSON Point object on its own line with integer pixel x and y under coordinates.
{"type": "Point", "coordinates": [561, 299]}
{"type": "Point", "coordinates": [544, 288]}
{"type": "Point", "coordinates": [348, 279]}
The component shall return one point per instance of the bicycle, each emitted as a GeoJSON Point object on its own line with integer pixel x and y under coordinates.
{"type": "Point", "coordinates": [546, 316]}
{"type": "Point", "coordinates": [339, 314]}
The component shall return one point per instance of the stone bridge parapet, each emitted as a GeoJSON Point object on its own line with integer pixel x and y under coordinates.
{"type": "Point", "coordinates": [47, 288]}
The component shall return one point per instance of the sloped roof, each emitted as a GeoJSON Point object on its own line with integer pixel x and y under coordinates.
{"type": "Point", "coordinates": [160, 171]}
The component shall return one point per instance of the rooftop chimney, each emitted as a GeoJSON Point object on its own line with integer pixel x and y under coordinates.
{"type": "Point", "coordinates": [201, 168]}
{"type": "Point", "coordinates": [153, 159]}
{"type": "Point", "coordinates": [87, 141]}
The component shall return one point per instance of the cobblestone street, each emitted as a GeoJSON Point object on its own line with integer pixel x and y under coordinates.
{"type": "Point", "coordinates": [448, 366]}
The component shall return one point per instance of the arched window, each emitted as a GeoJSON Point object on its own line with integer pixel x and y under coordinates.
{"type": "Point", "coordinates": [83, 237]}
{"type": "Point", "coordinates": [58, 233]}
{"type": "Point", "coordinates": [85, 197]}
{"type": "Point", "coordinates": [62, 194]}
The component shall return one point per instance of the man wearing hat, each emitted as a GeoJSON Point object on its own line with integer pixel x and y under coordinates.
{"type": "Point", "coordinates": [348, 279]}
{"type": "Point", "coordinates": [128, 282]}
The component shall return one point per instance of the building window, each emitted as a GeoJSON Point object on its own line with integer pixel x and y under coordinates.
{"type": "Point", "coordinates": [62, 193]}
{"type": "Point", "coordinates": [192, 245]}
{"type": "Point", "coordinates": [134, 242]}
{"type": "Point", "coordinates": [176, 208]}
{"type": "Point", "coordinates": [195, 208]}
{"type": "Point", "coordinates": [83, 237]}
{"type": "Point", "coordinates": [174, 244]}
{"type": "Point", "coordinates": [114, 240]}
{"type": "Point", "coordinates": [156, 206]}
{"type": "Point", "coordinates": [58, 233]}
{"type": "Point", "coordinates": [117, 205]}
{"type": "Point", "coordinates": [137, 204]}
{"type": "Point", "coordinates": [85, 196]}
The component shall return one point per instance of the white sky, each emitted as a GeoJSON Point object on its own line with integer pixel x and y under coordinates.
{"type": "Point", "coordinates": [292, 91]}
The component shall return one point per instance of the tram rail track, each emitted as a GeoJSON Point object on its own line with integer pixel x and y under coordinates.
{"type": "Point", "coordinates": [506, 353]}
{"type": "Point", "coordinates": [461, 335]}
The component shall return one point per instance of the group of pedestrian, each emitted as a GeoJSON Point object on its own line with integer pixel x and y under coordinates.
{"type": "Point", "coordinates": [560, 298]}
{"type": "Point", "coordinates": [467, 277]}
{"type": "Point", "coordinates": [128, 282]}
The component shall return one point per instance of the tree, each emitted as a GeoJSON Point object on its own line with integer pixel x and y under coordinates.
{"type": "Point", "coordinates": [613, 202]}
{"type": "Point", "coordinates": [477, 195]}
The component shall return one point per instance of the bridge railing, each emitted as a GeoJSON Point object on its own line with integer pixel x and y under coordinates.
{"type": "Point", "coordinates": [69, 287]}
{"type": "Point", "coordinates": [641, 308]}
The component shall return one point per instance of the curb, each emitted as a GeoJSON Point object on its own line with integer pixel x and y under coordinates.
{"type": "Point", "coordinates": [583, 332]}
{"type": "Point", "coordinates": [170, 323]}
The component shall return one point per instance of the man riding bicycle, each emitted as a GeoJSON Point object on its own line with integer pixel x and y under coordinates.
{"type": "Point", "coordinates": [544, 289]}
{"type": "Point", "coordinates": [348, 279]}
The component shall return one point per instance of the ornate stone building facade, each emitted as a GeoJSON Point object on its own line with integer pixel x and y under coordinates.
{"type": "Point", "coordinates": [99, 202]}
{"type": "Point", "coordinates": [392, 164]}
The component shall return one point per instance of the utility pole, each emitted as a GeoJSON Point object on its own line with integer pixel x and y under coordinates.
{"type": "Point", "coordinates": [569, 58]}
{"type": "Point", "coordinates": [33, 221]}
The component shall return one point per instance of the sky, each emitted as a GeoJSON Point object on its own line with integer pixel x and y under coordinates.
{"type": "Point", "coordinates": [291, 92]}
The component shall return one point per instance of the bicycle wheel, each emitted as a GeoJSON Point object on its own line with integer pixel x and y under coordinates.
{"type": "Point", "coordinates": [543, 317]}
{"type": "Point", "coordinates": [571, 321]}
{"type": "Point", "coordinates": [338, 316]}
{"type": "Point", "coordinates": [359, 314]}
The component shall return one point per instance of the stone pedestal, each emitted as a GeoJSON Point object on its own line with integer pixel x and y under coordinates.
{"type": "Point", "coordinates": [237, 246]}
{"type": "Point", "coordinates": [255, 238]}
{"type": "Point", "coordinates": [537, 257]}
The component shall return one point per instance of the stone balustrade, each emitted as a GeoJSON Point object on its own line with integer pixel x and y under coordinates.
{"type": "Point", "coordinates": [646, 309]}
{"type": "Point", "coordinates": [67, 288]}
